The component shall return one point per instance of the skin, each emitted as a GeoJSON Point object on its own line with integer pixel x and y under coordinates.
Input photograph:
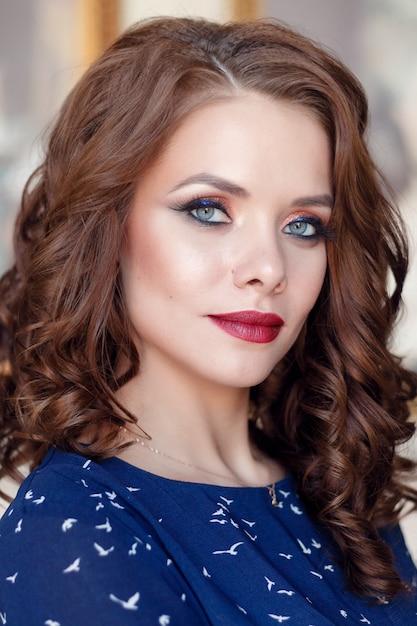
{"type": "Point", "coordinates": [263, 170]}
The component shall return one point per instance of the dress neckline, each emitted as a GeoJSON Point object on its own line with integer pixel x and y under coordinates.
{"type": "Point", "coordinates": [122, 467]}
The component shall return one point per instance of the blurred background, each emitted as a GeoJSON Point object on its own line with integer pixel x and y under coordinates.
{"type": "Point", "coordinates": [45, 45]}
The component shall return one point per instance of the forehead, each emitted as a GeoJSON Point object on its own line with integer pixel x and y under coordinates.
{"type": "Point", "coordinates": [228, 119]}
{"type": "Point", "coordinates": [246, 128]}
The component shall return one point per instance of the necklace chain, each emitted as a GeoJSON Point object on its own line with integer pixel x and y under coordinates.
{"type": "Point", "coordinates": [271, 487]}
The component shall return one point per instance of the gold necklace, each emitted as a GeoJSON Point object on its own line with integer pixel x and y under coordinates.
{"type": "Point", "coordinates": [271, 487]}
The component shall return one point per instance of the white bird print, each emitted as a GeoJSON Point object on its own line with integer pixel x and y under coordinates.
{"type": "Point", "coordinates": [242, 610]}
{"type": "Point", "coordinates": [40, 500]}
{"type": "Point", "coordinates": [112, 495]}
{"type": "Point", "coordinates": [279, 618]}
{"type": "Point", "coordinates": [148, 547]}
{"type": "Point", "coordinates": [232, 550]}
{"type": "Point", "coordinates": [107, 526]}
{"type": "Point", "coordinates": [116, 505]}
{"type": "Point", "coordinates": [86, 464]}
{"type": "Point", "coordinates": [228, 502]}
{"type": "Point", "coordinates": [130, 604]}
{"type": "Point", "coordinates": [315, 544]}
{"type": "Point", "coordinates": [218, 521]}
{"type": "Point", "coordinates": [329, 568]}
{"type": "Point", "coordinates": [235, 524]}
{"type": "Point", "coordinates": [316, 574]}
{"type": "Point", "coordinates": [132, 489]}
{"type": "Point", "coordinates": [343, 614]}
{"type": "Point", "coordinates": [68, 524]}
{"type": "Point", "coordinates": [96, 495]}
{"type": "Point", "coordinates": [29, 495]}
{"type": "Point", "coordinates": [12, 579]}
{"type": "Point", "coordinates": [303, 547]}
{"type": "Point", "coordinates": [364, 620]}
{"type": "Point", "coordinates": [99, 506]}
{"type": "Point", "coordinates": [84, 483]}
{"type": "Point", "coordinates": [102, 551]}
{"type": "Point", "coordinates": [51, 622]}
{"type": "Point", "coordinates": [183, 597]}
{"type": "Point", "coordinates": [133, 551]}
{"type": "Point", "coordinates": [270, 583]}
{"type": "Point", "coordinates": [286, 556]}
{"type": "Point", "coordinates": [295, 509]}
{"type": "Point", "coordinates": [286, 592]}
{"type": "Point", "coordinates": [252, 538]}
{"type": "Point", "coordinates": [285, 494]}
{"type": "Point", "coordinates": [18, 528]}
{"type": "Point", "coordinates": [3, 618]}
{"type": "Point", "coordinates": [219, 512]}
{"type": "Point", "coordinates": [164, 620]}
{"type": "Point", "coordinates": [250, 524]}
{"type": "Point", "coordinates": [205, 573]}
{"type": "Point", "coordinates": [74, 567]}
{"type": "Point", "coordinates": [169, 562]}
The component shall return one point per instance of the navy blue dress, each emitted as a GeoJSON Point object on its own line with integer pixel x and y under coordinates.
{"type": "Point", "coordinates": [107, 544]}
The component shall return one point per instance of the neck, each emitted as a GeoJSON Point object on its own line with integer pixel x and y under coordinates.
{"type": "Point", "coordinates": [201, 433]}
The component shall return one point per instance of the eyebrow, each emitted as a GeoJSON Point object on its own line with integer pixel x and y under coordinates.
{"type": "Point", "coordinates": [214, 181]}
{"type": "Point", "coordinates": [320, 200]}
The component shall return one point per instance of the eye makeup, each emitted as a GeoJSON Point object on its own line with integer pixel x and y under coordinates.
{"type": "Point", "coordinates": [309, 227]}
{"type": "Point", "coordinates": [213, 211]}
{"type": "Point", "coordinates": [205, 211]}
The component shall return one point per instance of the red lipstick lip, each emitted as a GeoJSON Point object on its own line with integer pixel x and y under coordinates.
{"type": "Point", "coordinates": [255, 318]}
{"type": "Point", "coordinates": [253, 326]}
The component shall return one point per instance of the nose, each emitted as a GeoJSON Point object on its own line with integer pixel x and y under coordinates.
{"type": "Point", "coordinates": [261, 264]}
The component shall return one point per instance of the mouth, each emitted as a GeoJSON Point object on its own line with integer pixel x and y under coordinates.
{"type": "Point", "coordinates": [252, 326]}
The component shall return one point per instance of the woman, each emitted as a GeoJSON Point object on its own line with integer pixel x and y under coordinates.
{"type": "Point", "coordinates": [194, 340]}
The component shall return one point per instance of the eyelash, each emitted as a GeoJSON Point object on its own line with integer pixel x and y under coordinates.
{"type": "Point", "coordinates": [322, 230]}
{"type": "Point", "coordinates": [199, 203]}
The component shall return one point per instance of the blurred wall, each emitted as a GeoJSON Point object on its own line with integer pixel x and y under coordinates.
{"type": "Point", "coordinates": [132, 10]}
{"type": "Point", "coordinates": [39, 61]}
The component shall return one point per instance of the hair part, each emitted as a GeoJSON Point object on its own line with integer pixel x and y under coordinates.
{"type": "Point", "coordinates": [335, 408]}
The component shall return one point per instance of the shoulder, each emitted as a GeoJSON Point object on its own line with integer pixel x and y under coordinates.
{"type": "Point", "coordinates": [72, 542]}
{"type": "Point", "coordinates": [70, 497]}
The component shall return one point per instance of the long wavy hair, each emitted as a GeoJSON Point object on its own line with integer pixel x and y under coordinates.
{"type": "Point", "coordinates": [336, 407]}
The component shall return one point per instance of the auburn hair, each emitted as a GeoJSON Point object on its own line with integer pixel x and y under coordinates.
{"type": "Point", "coordinates": [336, 407]}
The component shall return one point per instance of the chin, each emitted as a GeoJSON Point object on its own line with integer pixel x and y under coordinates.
{"type": "Point", "coordinates": [246, 380]}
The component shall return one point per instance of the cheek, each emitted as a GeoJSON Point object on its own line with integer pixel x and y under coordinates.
{"type": "Point", "coordinates": [317, 279]}
{"type": "Point", "coordinates": [310, 278]}
{"type": "Point", "coordinates": [172, 265]}
{"type": "Point", "coordinates": [147, 258]}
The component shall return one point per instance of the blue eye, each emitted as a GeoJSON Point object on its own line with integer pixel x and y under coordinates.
{"type": "Point", "coordinates": [206, 211]}
{"type": "Point", "coordinates": [307, 227]}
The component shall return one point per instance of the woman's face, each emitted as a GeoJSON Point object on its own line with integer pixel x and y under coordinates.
{"type": "Point", "coordinates": [225, 246]}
